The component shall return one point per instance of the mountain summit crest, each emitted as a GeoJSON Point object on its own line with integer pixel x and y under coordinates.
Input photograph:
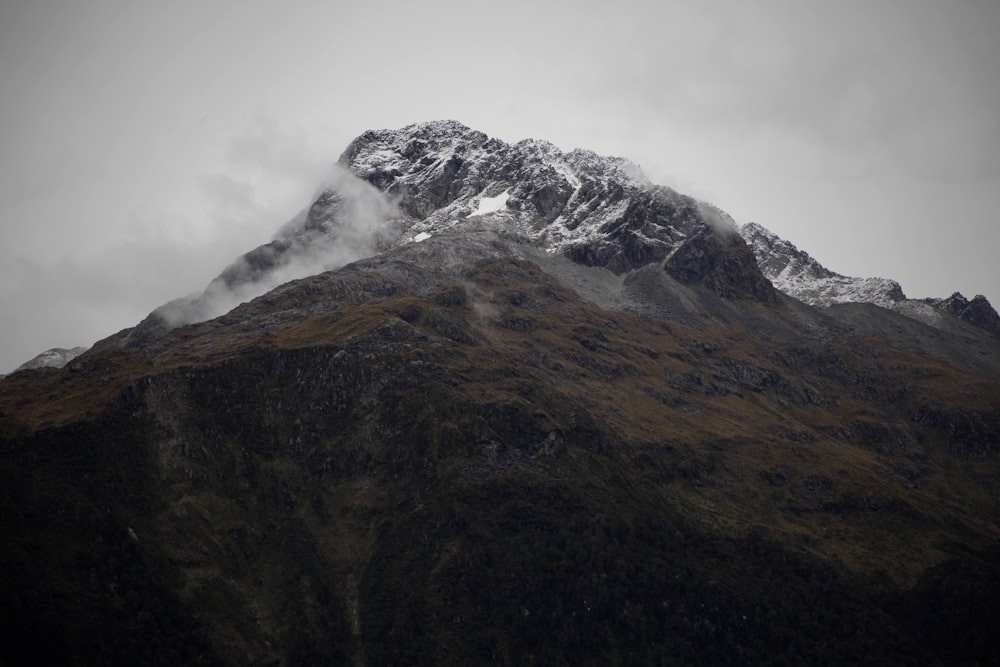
{"type": "Point", "coordinates": [398, 186]}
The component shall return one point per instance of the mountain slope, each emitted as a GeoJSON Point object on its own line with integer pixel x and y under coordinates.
{"type": "Point", "coordinates": [500, 444]}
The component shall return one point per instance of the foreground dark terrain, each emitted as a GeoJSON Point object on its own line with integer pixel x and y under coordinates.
{"type": "Point", "coordinates": [470, 449]}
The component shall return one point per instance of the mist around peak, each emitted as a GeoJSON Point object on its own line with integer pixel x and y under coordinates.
{"type": "Point", "coordinates": [347, 221]}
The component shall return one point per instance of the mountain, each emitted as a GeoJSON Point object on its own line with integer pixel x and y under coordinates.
{"type": "Point", "coordinates": [490, 403]}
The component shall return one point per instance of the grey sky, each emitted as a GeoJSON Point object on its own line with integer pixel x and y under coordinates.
{"type": "Point", "coordinates": [143, 145]}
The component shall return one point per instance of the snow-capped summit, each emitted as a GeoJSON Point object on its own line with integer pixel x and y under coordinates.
{"type": "Point", "coordinates": [596, 210]}
{"type": "Point", "coordinates": [441, 172]}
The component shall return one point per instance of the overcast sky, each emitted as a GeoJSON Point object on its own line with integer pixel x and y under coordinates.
{"type": "Point", "coordinates": [145, 144]}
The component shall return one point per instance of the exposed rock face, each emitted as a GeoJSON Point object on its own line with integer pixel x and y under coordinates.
{"type": "Point", "coordinates": [722, 263]}
{"type": "Point", "coordinates": [599, 211]}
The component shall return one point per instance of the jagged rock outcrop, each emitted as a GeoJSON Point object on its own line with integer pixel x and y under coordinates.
{"type": "Point", "coordinates": [978, 312]}
{"type": "Point", "coordinates": [599, 211]}
{"type": "Point", "coordinates": [720, 262]}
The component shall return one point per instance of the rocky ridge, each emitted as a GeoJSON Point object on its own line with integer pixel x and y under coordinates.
{"type": "Point", "coordinates": [978, 312]}
{"type": "Point", "coordinates": [596, 210]}
{"type": "Point", "coordinates": [400, 186]}
{"type": "Point", "coordinates": [799, 275]}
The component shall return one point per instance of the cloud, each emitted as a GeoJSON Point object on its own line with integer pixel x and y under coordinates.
{"type": "Point", "coordinates": [131, 249]}
{"type": "Point", "coordinates": [76, 301]}
{"type": "Point", "coordinates": [900, 86]}
{"type": "Point", "coordinates": [347, 222]}
{"type": "Point", "coordinates": [271, 171]}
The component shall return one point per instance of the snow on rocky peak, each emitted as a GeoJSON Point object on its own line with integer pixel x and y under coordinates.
{"type": "Point", "coordinates": [442, 171]}
{"type": "Point", "coordinates": [492, 204]}
{"type": "Point", "coordinates": [797, 274]}
{"type": "Point", "coordinates": [597, 210]}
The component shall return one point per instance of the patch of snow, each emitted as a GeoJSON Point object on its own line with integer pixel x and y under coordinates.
{"type": "Point", "coordinates": [422, 236]}
{"type": "Point", "coordinates": [492, 204]}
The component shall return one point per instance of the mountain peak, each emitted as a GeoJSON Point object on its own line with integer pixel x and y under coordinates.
{"type": "Point", "coordinates": [57, 357]}
{"type": "Point", "coordinates": [405, 185]}
{"type": "Point", "coordinates": [597, 210]}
